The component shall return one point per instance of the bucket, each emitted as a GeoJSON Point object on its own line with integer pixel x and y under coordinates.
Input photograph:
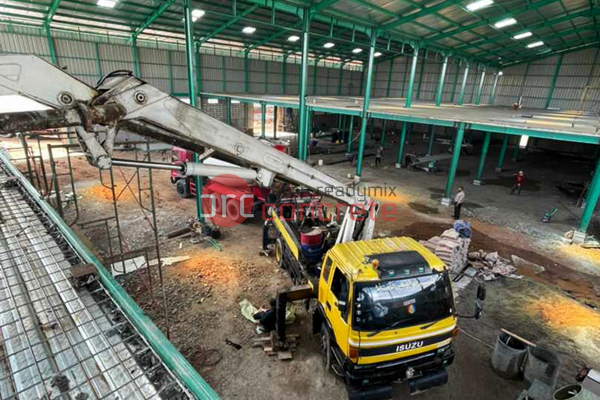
{"type": "Point", "coordinates": [508, 356]}
{"type": "Point", "coordinates": [575, 392]}
{"type": "Point", "coordinates": [543, 365]}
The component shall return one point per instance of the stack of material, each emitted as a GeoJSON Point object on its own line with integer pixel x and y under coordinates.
{"type": "Point", "coordinates": [490, 266]}
{"type": "Point", "coordinates": [450, 248]}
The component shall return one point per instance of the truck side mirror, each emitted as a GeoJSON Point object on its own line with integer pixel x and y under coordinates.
{"type": "Point", "coordinates": [481, 291]}
{"type": "Point", "coordinates": [342, 306]}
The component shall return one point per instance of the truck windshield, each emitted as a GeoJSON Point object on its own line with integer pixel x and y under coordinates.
{"type": "Point", "coordinates": [400, 303]}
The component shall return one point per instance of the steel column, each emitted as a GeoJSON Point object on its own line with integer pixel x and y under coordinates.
{"type": "Point", "coordinates": [350, 134]}
{"type": "Point", "coordinates": [591, 199]}
{"type": "Point", "coordinates": [98, 63]}
{"type": "Point", "coordinates": [303, 131]}
{"type": "Point", "coordinates": [455, 83]}
{"type": "Point", "coordinates": [365, 111]}
{"type": "Point", "coordinates": [431, 140]}
{"type": "Point", "coordinates": [284, 74]}
{"type": "Point", "coordinates": [480, 89]}
{"type": "Point", "coordinates": [502, 153]}
{"type": "Point", "coordinates": [484, 151]}
{"type": "Point", "coordinates": [170, 72]}
{"type": "Point", "coordinates": [554, 79]}
{"type": "Point", "coordinates": [136, 58]}
{"type": "Point", "coordinates": [189, 56]}
{"type": "Point", "coordinates": [400, 156]}
{"type": "Point", "coordinates": [228, 111]}
{"type": "Point", "coordinates": [389, 81]}
{"type": "Point", "coordinates": [454, 164]}
{"type": "Point", "coordinates": [411, 81]}
{"type": "Point", "coordinates": [246, 80]}
{"type": "Point", "coordinates": [440, 93]}
{"type": "Point", "coordinates": [515, 156]}
{"type": "Point", "coordinates": [383, 132]}
{"type": "Point", "coordinates": [263, 119]}
{"type": "Point", "coordinates": [339, 89]}
{"type": "Point", "coordinates": [493, 95]}
{"type": "Point", "coordinates": [51, 46]}
{"type": "Point", "coordinates": [463, 86]}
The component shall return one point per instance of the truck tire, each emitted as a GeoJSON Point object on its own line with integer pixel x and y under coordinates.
{"type": "Point", "coordinates": [183, 188]}
{"type": "Point", "coordinates": [325, 347]}
{"type": "Point", "coordinates": [279, 248]}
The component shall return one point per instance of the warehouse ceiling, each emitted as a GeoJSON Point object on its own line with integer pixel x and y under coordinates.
{"type": "Point", "coordinates": [494, 32]}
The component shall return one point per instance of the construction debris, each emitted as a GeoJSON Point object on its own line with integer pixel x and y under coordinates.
{"type": "Point", "coordinates": [167, 261]}
{"type": "Point", "coordinates": [273, 347]}
{"type": "Point", "coordinates": [490, 266]}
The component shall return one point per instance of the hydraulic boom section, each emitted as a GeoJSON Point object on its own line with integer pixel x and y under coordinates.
{"type": "Point", "coordinates": [122, 101]}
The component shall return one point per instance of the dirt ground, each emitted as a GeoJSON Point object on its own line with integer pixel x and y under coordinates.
{"type": "Point", "coordinates": [552, 308]}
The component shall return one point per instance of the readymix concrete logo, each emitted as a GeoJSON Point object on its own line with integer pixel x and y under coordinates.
{"type": "Point", "coordinates": [228, 200]}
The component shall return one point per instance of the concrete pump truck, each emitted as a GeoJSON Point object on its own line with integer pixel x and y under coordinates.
{"type": "Point", "coordinates": [384, 309]}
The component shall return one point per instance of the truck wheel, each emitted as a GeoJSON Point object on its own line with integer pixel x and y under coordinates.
{"type": "Point", "coordinates": [325, 347]}
{"type": "Point", "coordinates": [279, 252]}
{"type": "Point", "coordinates": [183, 189]}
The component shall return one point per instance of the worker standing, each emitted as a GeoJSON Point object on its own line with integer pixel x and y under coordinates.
{"type": "Point", "coordinates": [378, 156]}
{"type": "Point", "coordinates": [519, 179]}
{"type": "Point", "coordinates": [458, 202]}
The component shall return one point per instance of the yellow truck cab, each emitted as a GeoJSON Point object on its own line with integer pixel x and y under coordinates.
{"type": "Point", "coordinates": [387, 313]}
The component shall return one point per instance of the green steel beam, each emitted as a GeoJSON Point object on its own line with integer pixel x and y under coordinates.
{"type": "Point", "coordinates": [51, 45]}
{"type": "Point", "coordinates": [553, 82]}
{"type": "Point", "coordinates": [98, 63]}
{"type": "Point", "coordinates": [165, 350]}
{"type": "Point", "coordinates": [484, 150]}
{"type": "Point", "coordinates": [402, 141]}
{"type": "Point", "coordinates": [503, 148]}
{"type": "Point", "coordinates": [52, 11]}
{"type": "Point", "coordinates": [411, 81]}
{"type": "Point", "coordinates": [350, 134]}
{"type": "Point", "coordinates": [263, 120]}
{"type": "Point", "coordinates": [303, 131]}
{"type": "Point", "coordinates": [480, 88]}
{"type": "Point", "coordinates": [320, 6]}
{"type": "Point", "coordinates": [414, 16]}
{"type": "Point", "coordinates": [228, 24]}
{"type": "Point", "coordinates": [152, 17]}
{"type": "Point", "coordinates": [491, 21]}
{"type": "Point", "coordinates": [389, 80]}
{"type": "Point", "coordinates": [463, 86]}
{"type": "Point", "coordinates": [493, 95]}
{"type": "Point", "coordinates": [246, 74]}
{"type": "Point", "coordinates": [560, 136]}
{"type": "Point", "coordinates": [136, 59]}
{"type": "Point", "coordinates": [440, 93]}
{"type": "Point", "coordinates": [366, 103]}
{"type": "Point", "coordinates": [273, 36]}
{"type": "Point", "coordinates": [422, 72]}
{"type": "Point", "coordinates": [591, 199]}
{"type": "Point", "coordinates": [454, 163]}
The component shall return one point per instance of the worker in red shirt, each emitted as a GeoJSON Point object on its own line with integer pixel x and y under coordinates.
{"type": "Point", "coordinates": [519, 179]}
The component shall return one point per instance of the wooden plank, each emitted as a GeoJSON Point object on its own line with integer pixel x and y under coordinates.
{"type": "Point", "coordinates": [527, 342]}
{"type": "Point", "coordinates": [284, 355]}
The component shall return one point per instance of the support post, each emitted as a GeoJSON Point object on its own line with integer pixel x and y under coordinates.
{"type": "Point", "coordinates": [51, 46]}
{"type": "Point", "coordinates": [350, 134]}
{"type": "Point", "coordinates": [365, 111]}
{"type": "Point", "coordinates": [389, 80]}
{"type": "Point", "coordinates": [591, 201]}
{"type": "Point", "coordinates": [400, 156]}
{"type": "Point", "coordinates": [440, 93]}
{"type": "Point", "coordinates": [228, 110]}
{"type": "Point", "coordinates": [98, 62]}
{"type": "Point", "coordinates": [383, 132]}
{"type": "Point", "coordinates": [446, 200]}
{"type": "Point", "coordinates": [480, 89]}
{"type": "Point", "coordinates": [411, 79]}
{"type": "Point", "coordinates": [502, 153]}
{"type": "Point", "coordinates": [515, 156]}
{"type": "Point", "coordinates": [263, 119]}
{"type": "Point", "coordinates": [303, 131]}
{"type": "Point", "coordinates": [554, 79]}
{"type": "Point", "coordinates": [274, 122]}
{"type": "Point", "coordinates": [493, 95]}
{"type": "Point", "coordinates": [455, 83]}
{"type": "Point", "coordinates": [246, 80]}
{"type": "Point", "coordinates": [284, 74]}
{"type": "Point", "coordinates": [484, 151]}
{"type": "Point", "coordinates": [189, 56]}
{"type": "Point", "coordinates": [431, 140]}
{"type": "Point", "coordinates": [340, 78]}
{"type": "Point", "coordinates": [136, 58]}
{"type": "Point", "coordinates": [463, 86]}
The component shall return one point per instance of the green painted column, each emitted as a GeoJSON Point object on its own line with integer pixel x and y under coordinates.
{"type": "Point", "coordinates": [463, 86]}
{"type": "Point", "coordinates": [170, 72]}
{"type": "Point", "coordinates": [400, 155]}
{"type": "Point", "coordinates": [484, 150]}
{"type": "Point", "coordinates": [189, 56]}
{"type": "Point", "coordinates": [51, 45]}
{"type": "Point", "coordinates": [136, 58]}
{"type": "Point", "coordinates": [515, 156]}
{"type": "Point", "coordinates": [454, 164]}
{"type": "Point", "coordinates": [480, 89]}
{"type": "Point", "coordinates": [228, 111]}
{"type": "Point", "coordinates": [591, 199]}
{"type": "Point", "coordinates": [303, 131]}
{"type": "Point", "coordinates": [98, 63]}
{"type": "Point", "coordinates": [389, 80]}
{"type": "Point", "coordinates": [365, 111]}
{"type": "Point", "coordinates": [502, 153]}
{"type": "Point", "coordinates": [284, 74]}
{"type": "Point", "coordinates": [274, 122]}
{"type": "Point", "coordinates": [246, 74]}
{"type": "Point", "coordinates": [431, 133]}
{"type": "Point", "coordinates": [411, 79]}
{"type": "Point", "coordinates": [383, 132]}
{"type": "Point", "coordinates": [340, 79]}
{"type": "Point", "coordinates": [554, 79]}
{"type": "Point", "coordinates": [198, 75]}
{"type": "Point", "coordinates": [263, 119]}
{"type": "Point", "coordinates": [350, 135]}
{"type": "Point", "coordinates": [314, 79]}
{"type": "Point", "coordinates": [455, 83]}
{"type": "Point", "coordinates": [440, 93]}
{"type": "Point", "coordinates": [422, 72]}
{"type": "Point", "coordinates": [493, 95]}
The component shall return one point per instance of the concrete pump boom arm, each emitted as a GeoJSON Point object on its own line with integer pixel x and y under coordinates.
{"type": "Point", "coordinates": [122, 101]}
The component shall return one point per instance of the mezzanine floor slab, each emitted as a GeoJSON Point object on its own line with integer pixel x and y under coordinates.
{"type": "Point", "coordinates": [566, 125]}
